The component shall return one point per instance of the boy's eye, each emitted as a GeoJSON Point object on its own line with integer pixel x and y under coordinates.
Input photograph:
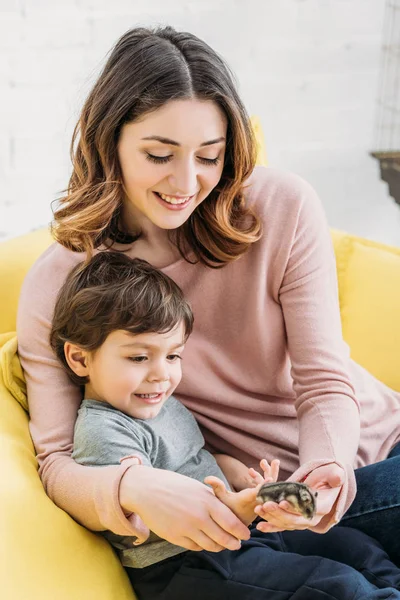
{"type": "Point", "coordinates": [138, 359]}
{"type": "Point", "coordinates": [174, 357]}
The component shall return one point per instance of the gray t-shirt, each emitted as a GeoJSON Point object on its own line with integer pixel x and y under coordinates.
{"type": "Point", "coordinates": [172, 441]}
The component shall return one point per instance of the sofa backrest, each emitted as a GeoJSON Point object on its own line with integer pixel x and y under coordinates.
{"type": "Point", "coordinates": [369, 295]}
{"type": "Point", "coordinates": [16, 257]}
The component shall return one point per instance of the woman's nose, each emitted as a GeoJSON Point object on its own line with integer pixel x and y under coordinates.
{"type": "Point", "coordinates": [183, 180]}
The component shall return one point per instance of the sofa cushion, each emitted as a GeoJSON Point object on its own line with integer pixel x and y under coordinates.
{"type": "Point", "coordinates": [369, 294]}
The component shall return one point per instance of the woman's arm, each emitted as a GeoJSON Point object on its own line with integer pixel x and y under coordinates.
{"type": "Point", "coordinates": [93, 496]}
{"type": "Point", "coordinates": [89, 495]}
{"type": "Point", "coordinates": [327, 409]}
{"type": "Point", "coordinates": [104, 437]}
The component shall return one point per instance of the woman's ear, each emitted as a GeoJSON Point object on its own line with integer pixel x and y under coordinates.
{"type": "Point", "coordinates": [77, 359]}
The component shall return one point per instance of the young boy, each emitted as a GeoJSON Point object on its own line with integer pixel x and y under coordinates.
{"type": "Point", "coordinates": [119, 328]}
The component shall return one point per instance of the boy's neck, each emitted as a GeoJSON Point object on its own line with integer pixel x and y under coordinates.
{"type": "Point", "coordinates": [89, 394]}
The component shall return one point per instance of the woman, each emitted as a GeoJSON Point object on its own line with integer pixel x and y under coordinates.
{"type": "Point", "coordinates": [163, 160]}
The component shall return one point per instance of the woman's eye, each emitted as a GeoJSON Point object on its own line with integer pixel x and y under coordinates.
{"type": "Point", "coordinates": [209, 161]}
{"type": "Point", "coordinates": [138, 359]}
{"type": "Point", "coordinates": [159, 160]}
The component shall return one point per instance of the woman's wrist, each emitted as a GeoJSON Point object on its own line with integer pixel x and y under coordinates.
{"type": "Point", "coordinates": [131, 488]}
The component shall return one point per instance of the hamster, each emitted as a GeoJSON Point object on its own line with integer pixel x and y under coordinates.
{"type": "Point", "coordinates": [299, 495]}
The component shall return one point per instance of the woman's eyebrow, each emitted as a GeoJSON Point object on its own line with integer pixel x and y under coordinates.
{"type": "Point", "coordinates": [165, 140]}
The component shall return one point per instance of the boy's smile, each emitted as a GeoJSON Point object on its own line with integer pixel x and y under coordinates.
{"type": "Point", "coordinates": [150, 398]}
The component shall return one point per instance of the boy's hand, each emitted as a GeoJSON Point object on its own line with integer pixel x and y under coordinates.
{"type": "Point", "coordinates": [241, 477]}
{"type": "Point", "coordinates": [271, 472]}
{"type": "Point", "coordinates": [241, 503]}
{"type": "Point", "coordinates": [244, 502]}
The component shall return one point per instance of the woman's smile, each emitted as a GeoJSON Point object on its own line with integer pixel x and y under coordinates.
{"type": "Point", "coordinates": [174, 202]}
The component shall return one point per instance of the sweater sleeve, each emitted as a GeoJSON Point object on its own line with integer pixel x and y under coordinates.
{"type": "Point", "coordinates": [327, 409]}
{"type": "Point", "coordinates": [89, 494]}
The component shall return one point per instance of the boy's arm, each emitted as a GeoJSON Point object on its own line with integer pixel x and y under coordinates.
{"type": "Point", "coordinates": [236, 473]}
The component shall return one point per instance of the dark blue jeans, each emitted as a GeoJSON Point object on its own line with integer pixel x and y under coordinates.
{"type": "Point", "coordinates": [376, 508]}
{"type": "Point", "coordinates": [293, 565]}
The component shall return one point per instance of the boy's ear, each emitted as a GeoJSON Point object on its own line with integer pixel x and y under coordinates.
{"type": "Point", "coordinates": [77, 359]}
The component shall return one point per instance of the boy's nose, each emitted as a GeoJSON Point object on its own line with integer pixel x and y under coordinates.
{"type": "Point", "coordinates": [159, 372]}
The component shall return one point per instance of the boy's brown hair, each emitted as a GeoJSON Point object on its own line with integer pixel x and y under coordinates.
{"type": "Point", "coordinates": [113, 292]}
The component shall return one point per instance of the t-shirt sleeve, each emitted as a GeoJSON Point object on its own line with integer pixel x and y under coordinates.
{"type": "Point", "coordinates": [327, 409]}
{"type": "Point", "coordinates": [105, 437]}
{"type": "Point", "coordinates": [89, 495]}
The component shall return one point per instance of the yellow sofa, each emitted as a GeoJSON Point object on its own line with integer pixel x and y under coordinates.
{"type": "Point", "coordinates": [44, 553]}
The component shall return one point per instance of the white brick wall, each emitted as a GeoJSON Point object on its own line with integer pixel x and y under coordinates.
{"type": "Point", "coordinates": [308, 68]}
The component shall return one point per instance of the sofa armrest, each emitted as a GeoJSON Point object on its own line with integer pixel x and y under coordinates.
{"type": "Point", "coordinates": [44, 553]}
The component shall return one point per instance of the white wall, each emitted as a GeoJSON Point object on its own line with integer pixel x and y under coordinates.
{"type": "Point", "coordinates": [308, 68]}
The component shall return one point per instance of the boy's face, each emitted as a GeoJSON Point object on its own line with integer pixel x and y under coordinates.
{"type": "Point", "coordinates": [136, 373]}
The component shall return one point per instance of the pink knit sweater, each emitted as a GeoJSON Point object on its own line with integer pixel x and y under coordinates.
{"type": "Point", "coordinates": [266, 372]}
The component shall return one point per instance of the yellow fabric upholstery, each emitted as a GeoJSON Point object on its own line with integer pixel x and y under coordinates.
{"type": "Point", "coordinates": [46, 554]}
{"type": "Point", "coordinates": [369, 293]}
{"type": "Point", "coordinates": [16, 256]}
{"type": "Point", "coordinates": [258, 133]}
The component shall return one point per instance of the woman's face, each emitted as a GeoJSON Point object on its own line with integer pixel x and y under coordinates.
{"type": "Point", "coordinates": [171, 160]}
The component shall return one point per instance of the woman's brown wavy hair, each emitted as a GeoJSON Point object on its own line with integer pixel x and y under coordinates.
{"type": "Point", "coordinates": [146, 69]}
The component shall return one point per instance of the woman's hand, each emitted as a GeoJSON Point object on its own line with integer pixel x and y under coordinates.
{"type": "Point", "coordinates": [181, 510]}
{"type": "Point", "coordinates": [327, 480]}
